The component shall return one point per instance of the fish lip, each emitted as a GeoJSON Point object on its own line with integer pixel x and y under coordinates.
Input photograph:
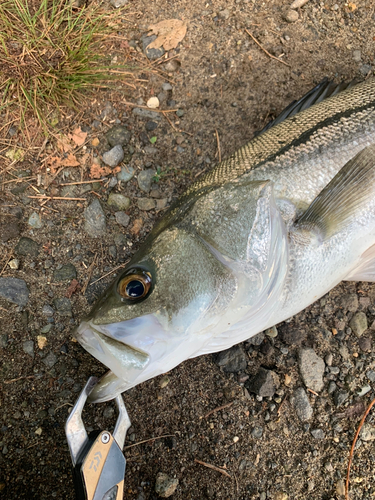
{"type": "Point", "coordinates": [125, 360]}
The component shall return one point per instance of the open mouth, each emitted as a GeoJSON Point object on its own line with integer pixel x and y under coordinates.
{"type": "Point", "coordinates": [133, 350]}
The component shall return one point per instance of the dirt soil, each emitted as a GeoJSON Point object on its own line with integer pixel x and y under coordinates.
{"type": "Point", "coordinates": [220, 81]}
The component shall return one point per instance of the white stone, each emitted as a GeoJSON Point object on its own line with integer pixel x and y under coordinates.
{"type": "Point", "coordinates": [153, 103]}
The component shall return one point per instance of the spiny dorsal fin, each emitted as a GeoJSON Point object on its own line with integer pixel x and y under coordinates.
{"type": "Point", "coordinates": [349, 193]}
{"type": "Point", "coordinates": [321, 91]}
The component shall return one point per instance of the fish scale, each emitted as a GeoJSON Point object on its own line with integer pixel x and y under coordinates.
{"type": "Point", "coordinates": [338, 115]}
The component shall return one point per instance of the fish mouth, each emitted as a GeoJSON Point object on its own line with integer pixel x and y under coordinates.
{"type": "Point", "coordinates": [134, 351]}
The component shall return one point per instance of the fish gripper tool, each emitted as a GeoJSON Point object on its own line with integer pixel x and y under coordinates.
{"type": "Point", "coordinates": [98, 461]}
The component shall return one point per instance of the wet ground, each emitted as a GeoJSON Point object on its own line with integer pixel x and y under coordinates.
{"type": "Point", "coordinates": [222, 85]}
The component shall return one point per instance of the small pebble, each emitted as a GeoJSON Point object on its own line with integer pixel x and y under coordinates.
{"type": "Point", "coordinates": [145, 179]}
{"type": "Point", "coordinates": [236, 439]}
{"type": "Point", "coordinates": [165, 486]}
{"type": "Point", "coordinates": [118, 201]}
{"type": "Point", "coordinates": [357, 56]}
{"type": "Point", "coordinates": [291, 16]}
{"type": "Point", "coordinates": [312, 369]}
{"type": "Point", "coordinates": [257, 432]}
{"type": "Point", "coordinates": [35, 221]}
{"type": "Point", "coordinates": [95, 224]}
{"type": "Point", "coordinates": [150, 126]}
{"type": "Point", "coordinates": [28, 347]}
{"type": "Point", "coordinates": [164, 381]}
{"type": "Point", "coordinates": [146, 203]}
{"type": "Point", "coordinates": [114, 156]}
{"type": "Point", "coordinates": [14, 264]}
{"type": "Point", "coordinates": [271, 332]}
{"type": "Point", "coordinates": [66, 272]}
{"type": "Point", "coordinates": [153, 103]}
{"type": "Point", "coordinates": [166, 86]}
{"type": "Point", "coordinates": [122, 218]}
{"type": "Point", "coordinates": [301, 404]}
{"type": "Point", "coordinates": [359, 323]}
{"type": "Point", "coordinates": [317, 434]}
{"type": "Point", "coordinates": [340, 487]}
{"type": "Point", "coordinates": [125, 174]}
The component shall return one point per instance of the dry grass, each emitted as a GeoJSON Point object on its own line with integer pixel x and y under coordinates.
{"type": "Point", "coordinates": [50, 54]}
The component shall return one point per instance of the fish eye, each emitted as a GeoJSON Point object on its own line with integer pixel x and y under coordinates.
{"type": "Point", "coordinates": [135, 285]}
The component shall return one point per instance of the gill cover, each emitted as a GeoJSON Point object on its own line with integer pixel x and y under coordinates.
{"type": "Point", "coordinates": [221, 263]}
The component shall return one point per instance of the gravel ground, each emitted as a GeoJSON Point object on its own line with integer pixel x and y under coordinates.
{"type": "Point", "coordinates": [247, 410]}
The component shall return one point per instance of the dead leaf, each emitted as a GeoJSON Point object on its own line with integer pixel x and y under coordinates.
{"type": "Point", "coordinates": [70, 161]}
{"type": "Point", "coordinates": [137, 226]}
{"type": "Point", "coordinates": [97, 172]}
{"type": "Point", "coordinates": [54, 163]}
{"type": "Point", "coordinates": [63, 143]}
{"type": "Point", "coordinates": [170, 33]}
{"type": "Point", "coordinates": [73, 287]}
{"type": "Point", "coordinates": [42, 341]}
{"type": "Point", "coordinates": [352, 6]}
{"type": "Point", "coordinates": [83, 159]}
{"type": "Point", "coordinates": [78, 137]}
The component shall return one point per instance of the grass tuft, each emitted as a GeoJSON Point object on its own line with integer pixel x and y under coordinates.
{"type": "Point", "coordinates": [50, 53]}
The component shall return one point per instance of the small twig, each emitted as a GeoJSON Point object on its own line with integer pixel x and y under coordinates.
{"type": "Point", "coordinates": [165, 60]}
{"type": "Point", "coordinates": [18, 378]}
{"type": "Point", "coordinates": [222, 471]}
{"type": "Point", "coordinates": [281, 404]}
{"type": "Point", "coordinates": [313, 392]}
{"type": "Point", "coordinates": [218, 145]}
{"type": "Point", "coordinates": [80, 182]}
{"type": "Point", "coordinates": [61, 406]}
{"type": "Point", "coordinates": [228, 405]}
{"type": "Point", "coordinates": [148, 440]}
{"type": "Point", "coordinates": [266, 51]}
{"type": "Point", "coordinates": [174, 128]}
{"type": "Point", "coordinates": [6, 263]}
{"type": "Point", "coordinates": [353, 446]}
{"type": "Point", "coordinates": [235, 477]}
{"type": "Point", "coordinates": [51, 198]}
{"type": "Point", "coordinates": [110, 272]}
{"type": "Point", "coordinates": [89, 273]}
{"type": "Point", "coordinates": [19, 180]}
{"type": "Point", "coordinates": [170, 123]}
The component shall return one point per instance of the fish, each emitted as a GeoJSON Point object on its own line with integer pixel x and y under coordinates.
{"type": "Point", "coordinates": [251, 243]}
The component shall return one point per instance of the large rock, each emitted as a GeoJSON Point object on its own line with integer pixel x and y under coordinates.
{"type": "Point", "coordinates": [264, 383]}
{"type": "Point", "coordinates": [232, 360]}
{"type": "Point", "coordinates": [95, 224]}
{"type": "Point", "coordinates": [15, 290]}
{"type": "Point", "coordinates": [118, 201]}
{"type": "Point", "coordinates": [66, 272]}
{"type": "Point", "coordinates": [145, 179]}
{"type": "Point", "coordinates": [165, 486]}
{"type": "Point", "coordinates": [301, 404]}
{"type": "Point", "coordinates": [312, 369]}
{"type": "Point", "coordinates": [358, 323]}
{"type": "Point", "coordinates": [118, 135]}
{"type": "Point", "coordinates": [114, 156]}
{"type": "Point", "coordinates": [27, 246]}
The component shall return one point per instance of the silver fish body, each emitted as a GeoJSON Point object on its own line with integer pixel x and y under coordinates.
{"type": "Point", "coordinates": [256, 240]}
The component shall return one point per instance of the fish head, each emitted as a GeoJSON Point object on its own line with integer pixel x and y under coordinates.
{"type": "Point", "coordinates": [186, 285]}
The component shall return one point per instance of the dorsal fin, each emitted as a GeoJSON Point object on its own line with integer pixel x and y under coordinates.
{"type": "Point", "coordinates": [321, 91]}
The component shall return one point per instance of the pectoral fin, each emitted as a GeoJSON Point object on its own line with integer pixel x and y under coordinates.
{"type": "Point", "coordinates": [365, 271]}
{"type": "Point", "coordinates": [343, 201]}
